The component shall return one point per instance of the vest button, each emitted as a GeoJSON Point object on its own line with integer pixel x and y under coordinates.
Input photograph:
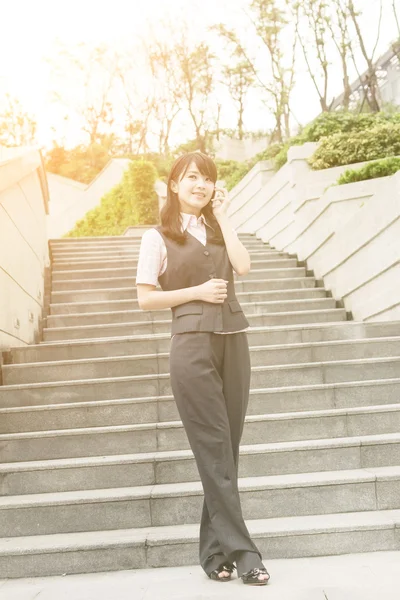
{"type": "Point", "coordinates": [206, 252]}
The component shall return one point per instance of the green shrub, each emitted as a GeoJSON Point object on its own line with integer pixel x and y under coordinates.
{"type": "Point", "coordinates": [281, 157]}
{"type": "Point", "coordinates": [328, 124]}
{"type": "Point", "coordinates": [131, 202]}
{"type": "Point", "coordinates": [269, 153]}
{"type": "Point", "coordinates": [380, 168]}
{"type": "Point", "coordinates": [162, 163]}
{"type": "Point", "coordinates": [343, 149]}
{"type": "Point", "coordinates": [232, 171]}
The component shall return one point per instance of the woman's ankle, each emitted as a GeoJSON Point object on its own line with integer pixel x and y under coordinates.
{"type": "Point", "coordinates": [246, 561]}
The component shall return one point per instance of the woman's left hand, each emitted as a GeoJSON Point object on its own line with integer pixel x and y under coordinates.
{"type": "Point", "coordinates": [220, 202]}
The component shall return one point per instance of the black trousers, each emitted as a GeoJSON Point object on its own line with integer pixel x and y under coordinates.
{"type": "Point", "coordinates": [210, 379]}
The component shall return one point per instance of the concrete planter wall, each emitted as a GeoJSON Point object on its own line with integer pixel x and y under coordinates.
{"type": "Point", "coordinates": [71, 200]}
{"type": "Point", "coordinates": [349, 235]}
{"type": "Point", "coordinates": [23, 245]}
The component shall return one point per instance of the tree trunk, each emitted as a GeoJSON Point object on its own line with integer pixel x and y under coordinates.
{"type": "Point", "coordinates": [372, 81]}
{"type": "Point", "coordinates": [240, 120]}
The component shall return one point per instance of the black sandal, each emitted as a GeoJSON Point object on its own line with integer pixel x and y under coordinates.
{"type": "Point", "coordinates": [214, 575]}
{"type": "Point", "coordinates": [251, 577]}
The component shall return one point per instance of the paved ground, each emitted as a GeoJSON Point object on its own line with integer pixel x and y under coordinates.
{"type": "Point", "coordinates": [369, 576]}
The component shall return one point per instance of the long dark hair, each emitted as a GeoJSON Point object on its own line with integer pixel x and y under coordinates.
{"type": "Point", "coordinates": [171, 220]}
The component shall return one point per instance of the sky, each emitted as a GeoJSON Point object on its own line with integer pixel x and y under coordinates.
{"type": "Point", "coordinates": [30, 31]}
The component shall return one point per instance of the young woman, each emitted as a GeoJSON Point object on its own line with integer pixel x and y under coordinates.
{"type": "Point", "coordinates": [191, 255]}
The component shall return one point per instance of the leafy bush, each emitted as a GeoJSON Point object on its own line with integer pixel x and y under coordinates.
{"type": "Point", "coordinates": [380, 168]}
{"type": "Point", "coordinates": [162, 163]}
{"type": "Point", "coordinates": [269, 153]}
{"type": "Point", "coordinates": [281, 157]}
{"type": "Point", "coordinates": [232, 171]}
{"type": "Point", "coordinates": [131, 202]}
{"type": "Point", "coordinates": [343, 149]}
{"type": "Point", "coordinates": [328, 124]}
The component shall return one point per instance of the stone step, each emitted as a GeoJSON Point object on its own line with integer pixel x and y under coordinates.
{"type": "Point", "coordinates": [129, 270]}
{"type": "Point", "coordinates": [265, 336]}
{"type": "Point", "coordinates": [271, 496]}
{"type": "Point", "coordinates": [111, 258]}
{"type": "Point", "coordinates": [114, 550]}
{"type": "Point", "coordinates": [117, 305]}
{"type": "Point", "coordinates": [107, 294]}
{"type": "Point", "coordinates": [256, 460]}
{"type": "Point", "coordinates": [170, 435]}
{"type": "Point", "coordinates": [151, 327]}
{"type": "Point", "coordinates": [133, 254]}
{"type": "Point", "coordinates": [134, 316]}
{"type": "Point", "coordinates": [71, 249]}
{"type": "Point", "coordinates": [96, 256]}
{"type": "Point", "coordinates": [139, 230]}
{"type": "Point", "coordinates": [102, 238]}
{"type": "Point", "coordinates": [87, 411]}
{"type": "Point", "coordinates": [155, 363]}
{"type": "Point", "coordinates": [129, 387]}
{"type": "Point", "coordinates": [117, 282]}
{"type": "Point", "coordinates": [127, 249]}
{"type": "Point", "coordinates": [116, 241]}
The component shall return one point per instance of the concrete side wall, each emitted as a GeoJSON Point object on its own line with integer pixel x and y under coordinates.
{"type": "Point", "coordinates": [347, 234]}
{"type": "Point", "coordinates": [71, 200]}
{"type": "Point", "coordinates": [244, 193]}
{"type": "Point", "coordinates": [23, 246]}
{"type": "Point", "coordinates": [230, 149]}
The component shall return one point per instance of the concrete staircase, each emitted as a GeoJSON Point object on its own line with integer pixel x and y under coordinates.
{"type": "Point", "coordinates": [96, 470]}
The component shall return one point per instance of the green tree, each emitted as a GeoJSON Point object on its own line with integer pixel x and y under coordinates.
{"type": "Point", "coordinates": [83, 162]}
{"type": "Point", "coordinates": [239, 79]}
{"type": "Point", "coordinates": [275, 24]}
{"type": "Point", "coordinates": [168, 90]}
{"type": "Point", "coordinates": [92, 71]}
{"type": "Point", "coordinates": [196, 68]}
{"type": "Point", "coordinates": [316, 14]}
{"type": "Point", "coordinates": [370, 80]}
{"type": "Point", "coordinates": [17, 127]}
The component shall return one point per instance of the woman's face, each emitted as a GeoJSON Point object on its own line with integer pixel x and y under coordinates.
{"type": "Point", "coordinates": [194, 190]}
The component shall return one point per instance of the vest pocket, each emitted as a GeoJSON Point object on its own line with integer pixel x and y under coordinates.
{"type": "Point", "coordinates": [188, 309]}
{"type": "Point", "coordinates": [235, 306]}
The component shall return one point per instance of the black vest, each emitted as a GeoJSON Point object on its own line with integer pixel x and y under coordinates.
{"type": "Point", "coordinates": [192, 264]}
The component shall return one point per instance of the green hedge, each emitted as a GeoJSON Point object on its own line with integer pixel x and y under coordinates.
{"type": "Point", "coordinates": [131, 202]}
{"type": "Point", "coordinates": [380, 168]}
{"type": "Point", "coordinates": [343, 149]}
{"type": "Point", "coordinates": [345, 122]}
{"type": "Point", "coordinates": [329, 124]}
{"type": "Point", "coordinates": [231, 171]}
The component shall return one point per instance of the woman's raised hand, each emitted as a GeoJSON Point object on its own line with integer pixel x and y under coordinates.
{"type": "Point", "coordinates": [220, 202]}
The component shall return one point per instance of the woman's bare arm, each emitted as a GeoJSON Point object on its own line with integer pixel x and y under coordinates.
{"type": "Point", "coordinates": [149, 298]}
